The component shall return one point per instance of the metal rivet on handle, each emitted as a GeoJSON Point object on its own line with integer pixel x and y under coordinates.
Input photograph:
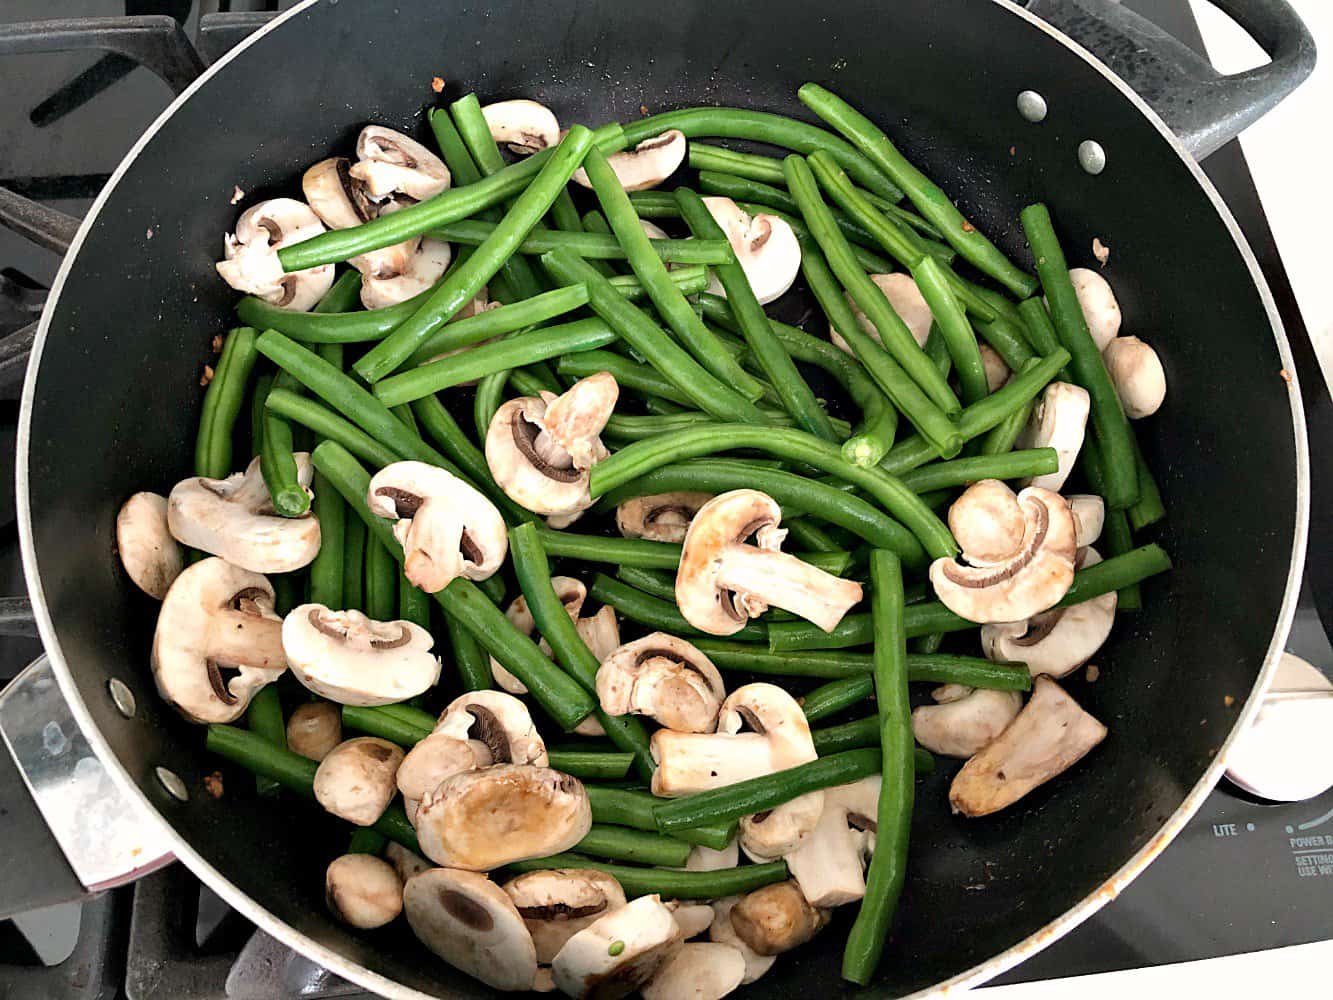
{"type": "Point", "coordinates": [122, 696]}
{"type": "Point", "coordinates": [1032, 106]}
{"type": "Point", "coordinates": [1091, 156]}
{"type": "Point", "coordinates": [171, 781]}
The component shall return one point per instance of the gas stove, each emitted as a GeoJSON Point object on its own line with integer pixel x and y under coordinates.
{"type": "Point", "coordinates": [1244, 875]}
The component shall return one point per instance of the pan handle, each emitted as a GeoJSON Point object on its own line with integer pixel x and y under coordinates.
{"type": "Point", "coordinates": [1205, 108]}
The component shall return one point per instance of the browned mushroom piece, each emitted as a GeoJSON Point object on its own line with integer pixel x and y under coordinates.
{"type": "Point", "coordinates": [1048, 737]}
{"type": "Point", "coordinates": [356, 780]}
{"type": "Point", "coordinates": [619, 952]}
{"type": "Point", "coordinates": [151, 557]}
{"type": "Point", "coordinates": [664, 678]}
{"type": "Point", "coordinates": [1021, 551]}
{"type": "Point", "coordinates": [313, 729]}
{"type": "Point", "coordinates": [660, 517]}
{"type": "Point", "coordinates": [363, 891]}
{"type": "Point", "coordinates": [722, 932]}
{"type": "Point", "coordinates": [558, 903]}
{"type": "Point", "coordinates": [354, 660]}
{"type": "Point", "coordinates": [776, 918]}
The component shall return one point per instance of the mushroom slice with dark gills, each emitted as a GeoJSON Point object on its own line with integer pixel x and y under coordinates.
{"type": "Point", "coordinates": [217, 642]}
{"type": "Point", "coordinates": [498, 723]}
{"type": "Point", "coordinates": [541, 449]}
{"type": "Point", "coordinates": [354, 660]}
{"type": "Point", "coordinates": [664, 678]}
{"type": "Point", "coordinates": [618, 953]}
{"type": "Point", "coordinates": [646, 165]}
{"type": "Point", "coordinates": [391, 163]}
{"type": "Point", "coordinates": [251, 262]}
{"type": "Point", "coordinates": [558, 903]}
{"type": "Point", "coordinates": [661, 517]}
{"type": "Point", "coordinates": [765, 246]}
{"type": "Point", "coordinates": [526, 127]}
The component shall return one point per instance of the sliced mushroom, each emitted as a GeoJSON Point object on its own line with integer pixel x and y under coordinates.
{"type": "Point", "coordinates": [698, 971]}
{"type": "Point", "coordinates": [437, 757]}
{"type": "Point", "coordinates": [557, 904]}
{"type": "Point", "coordinates": [363, 891]}
{"type": "Point", "coordinates": [388, 285]}
{"type": "Point", "coordinates": [1089, 517]}
{"type": "Point", "coordinates": [966, 720]}
{"type": "Point", "coordinates": [251, 262]}
{"type": "Point", "coordinates": [829, 864]}
{"type": "Point", "coordinates": [447, 527]}
{"type": "Point", "coordinates": [664, 678]}
{"type": "Point", "coordinates": [314, 729]}
{"type": "Point", "coordinates": [1055, 642]}
{"type": "Point", "coordinates": [619, 952]}
{"type": "Point", "coordinates": [722, 932]}
{"type": "Point", "coordinates": [706, 859]}
{"type": "Point", "coordinates": [541, 450]}
{"type": "Point", "coordinates": [765, 245]}
{"type": "Point", "coordinates": [524, 126]}
{"type": "Point", "coordinates": [234, 518]}
{"type": "Point", "coordinates": [777, 737]}
{"type": "Point", "coordinates": [390, 163]}
{"type": "Point", "coordinates": [468, 921]}
{"type": "Point", "coordinates": [997, 371]}
{"type": "Point", "coordinates": [905, 299]}
{"type": "Point", "coordinates": [499, 721]}
{"type": "Point", "coordinates": [1137, 373]}
{"type": "Point", "coordinates": [217, 641]}
{"type": "Point", "coordinates": [354, 660]}
{"type": "Point", "coordinates": [406, 863]}
{"type": "Point", "coordinates": [601, 634]}
{"type": "Point", "coordinates": [723, 582]}
{"type": "Point", "coordinates": [1059, 421]}
{"type": "Point", "coordinates": [776, 918]}
{"type": "Point", "coordinates": [692, 918]}
{"type": "Point", "coordinates": [646, 165]}
{"type": "Point", "coordinates": [339, 199]}
{"type": "Point", "coordinates": [660, 517]}
{"type": "Point", "coordinates": [356, 780]}
{"type": "Point", "coordinates": [483, 819]}
{"type": "Point", "coordinates": [1100, 309]}
{"type": "Point", "coordinates": [151, 557]}
{"type": "Point", "coordinates": [776, 832]}
{"type": "Point", "coordinates": [572, 594]}
{"type": "Point", "coordinates": [1050, 735]}
{"type": "Point", "coordinates": [1005, 586]}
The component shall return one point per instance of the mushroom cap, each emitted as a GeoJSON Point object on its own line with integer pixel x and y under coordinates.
{"type": "Point", "coordinates": [1271, 756]}
{"type": "Point", "coordinates": [354, 660]}
{"type": "Point", "coordinates": [447, 527]}
{"type": "Point", "coordinates": [590, 964]}
{"type": "Point", "coordinates": [1059, 421]}
{"type": "Point", "coordinates": [1035, 577]}
{"type": "Point", "coordinates": [1100, 309]}
{"type": "Point", "coordinates": [660, 517]}
{"type": "Point", "coordinates": [765, 246]}
{"type": "Point", "coordinates": [356, 780]}
{"type": "Point", "coordinates": [1055, 642]}
{"type": "Point", "coordinates": [468, 921]}
{"type": "Point", "coordinates": [1137, 373]}
{"type": "Point", "coordinates": [524, 126]}
{"type": "Point", "coordinates": [234, 518]}
{"type": "Point", "coordinates": [692, 918]}
{"type": "Point", "coordinates": [314, 729]}
{"type": "Point", "coordinates": [498, 720]}
{"type": "Point", "coordinates": [216, 617]}
{"type": "Point", "coordinates": [572, 594]}
{"type": "Point", "coordinates": [829, 863]}
{"type": "Point", "coordinates": [423, 265]}
{"type": "Point", "coordinates": [389, 163]}
{"type": "Point", "coordinates": [363, 891]}
{"type": "Point", "coordinates": [961, 727]}
{"type": "Point", "coordinates": [776, 832]}
{"type": "Point", "coordinates": [1049, 736]}
{"type": "Point", "coordinates": [251, 263]}
{"type": "Point", "coordinates": [997, 370]}
{"type": "Point", "coordinates": [722, 932]}
{"type": "Point", "coordinates": [480, 820]}
{"type": "Point", "coordinates": [906, 300]}
{"type": "Point", "coordinates": [151, 557]}
{"type": "Point", "coordinates": [558, 903]}
{"type": "Point", "coordinates": [339, 199]}
{"type": "Point", "coordinates": [646, 165]}
{"type": "Point", "coordinates": [702, 970]}
{"type": "Point", "coordinates": [665, 678]}
{"type": "Point", "coordinates": [435, 758]}
{"type": "Point", "coordinates": [1089, 517]}
{"type": "Point", "coordinates": [987, 522]}
{"type": "Point", "coordinates": [776, 918]}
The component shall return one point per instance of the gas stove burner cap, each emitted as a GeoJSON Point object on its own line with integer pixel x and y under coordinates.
{"type": "Point", "coordinates": [1284, 756]}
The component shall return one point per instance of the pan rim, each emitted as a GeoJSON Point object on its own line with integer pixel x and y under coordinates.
{"type": "Point", "coordinates": [374, 981]}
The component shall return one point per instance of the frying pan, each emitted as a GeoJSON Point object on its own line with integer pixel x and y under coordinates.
{"type": "Point", "coordinates": [111, 400]}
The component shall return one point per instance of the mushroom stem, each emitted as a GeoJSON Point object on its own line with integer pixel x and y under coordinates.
{"type": "Point", "coordinates": [252, 639]}
{"type": "Point", "coordinates": [697, 762]}
{"type": "Point", "coordinates": [783, 581]}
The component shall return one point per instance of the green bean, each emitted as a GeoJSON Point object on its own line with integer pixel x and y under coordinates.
{"type": "Point", "coordinates": [636, 428]}
{"type": "Point", "coordinates": [344, 296]}
{"type": "Point", "coordinates": [506, 319]}
{"type": "Point", "coordinates": [377, 722]}
{"type": "Point", "coordinates": [264, 717]}
{"type": "Point", "coordinates": [1037, 322]}
{"type": "Point", "coordinates": [354, 560]}
{"type": "Point", "coordinates": [263, 386]}
{"type": "Point", "coordinates": [558, 693]}
{"type": "Point", "coordinates": [1005, 339]}
{"type": "Point", "coordinates": [831, 698]}
{"type": "Point", "coordinates": [1114, 573]}
{"type": "Point", "coordinates": [698, 385]}
{"type": "Point", "coordinates": [929, 199]}
{"type": "Point", "coordinates": [754, 325]}
{"type": "Point", "coordinates": [964, 471]}
{"type": "Point", "coordinates": [381, 589]}
{"type": "Point", "coordinates": [489, 397]}
{"type": "Point", "coordinates": [453, 149]}
{"type": "Point", "coordinates": [1108, 416]}
{"type": "Point", "coordinates": [811, 537]}
{"type": "Point", "coordinates": [487, 359]}
{"type": "Point", "coordinates": [850, 736]}
{"type": "Point", "coordinates": [1001, 438]}
{"type": "Point", "coordinates": [621, 844]}
{"type": "Point", "coordinates": [691, 279]}
{"type": "Point", "coordinates": [1120, 540]}
{"type": "Point", "coordinates": [474, 666]}
{"type": "Point", "coordinates": [331, 328]}
{"type": "Point", "coordinates": [326, 570]}
{"type": "Point", "coordinates": [661, 616]}
{"type": "Point", "coordinates": [1148, 509]}
{"type": "Point", "coordinates": [413, 603]}
{"type": "Point", "coordinates": [628, 374]}
{"type": "Point", "coordinates": [888, 868]}
{"type": "Point", "coordinates": [567, 646]}
{"type": "Point", "coordinates": [928, 644]}
{"type": "Point", "coordinates": [665, 882]}
{"type": "Point", "coordinates": [462, 285]}
{"type": "Point", "coordinates": [760, 126]}
{"type": "Point", "coordinates": [792, 445]}
{"type": "Point", "coordinates": [222, 404]}
{"type": "Point", "coordinates": [443, 429]}
{"type": "Point", "coordinates": [591, 246]}
{"type": "Point", "coordinates": [364, 840]}
{"type": "Point", "coordinates": [327, 424]}
{"type": "Point", "coordinates": [592, 766]}
{"type": "Point", "coordinates": [408, 712]}
{"type": "Point", "coordinates": [652, 582]}
{"type": "Point", "coordinates": [277, 463]}
{"type": "Point", "coordinates": [954, 329]}
{"type": "Point", "coordinates": [634, 809]}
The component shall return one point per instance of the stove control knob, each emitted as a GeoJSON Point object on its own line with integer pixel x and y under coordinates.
{"type": "Point", "coordinates": [1283, 755]}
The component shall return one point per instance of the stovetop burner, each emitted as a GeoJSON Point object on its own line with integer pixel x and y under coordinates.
{"type": "Point", "coordinates": [1242, 876]}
